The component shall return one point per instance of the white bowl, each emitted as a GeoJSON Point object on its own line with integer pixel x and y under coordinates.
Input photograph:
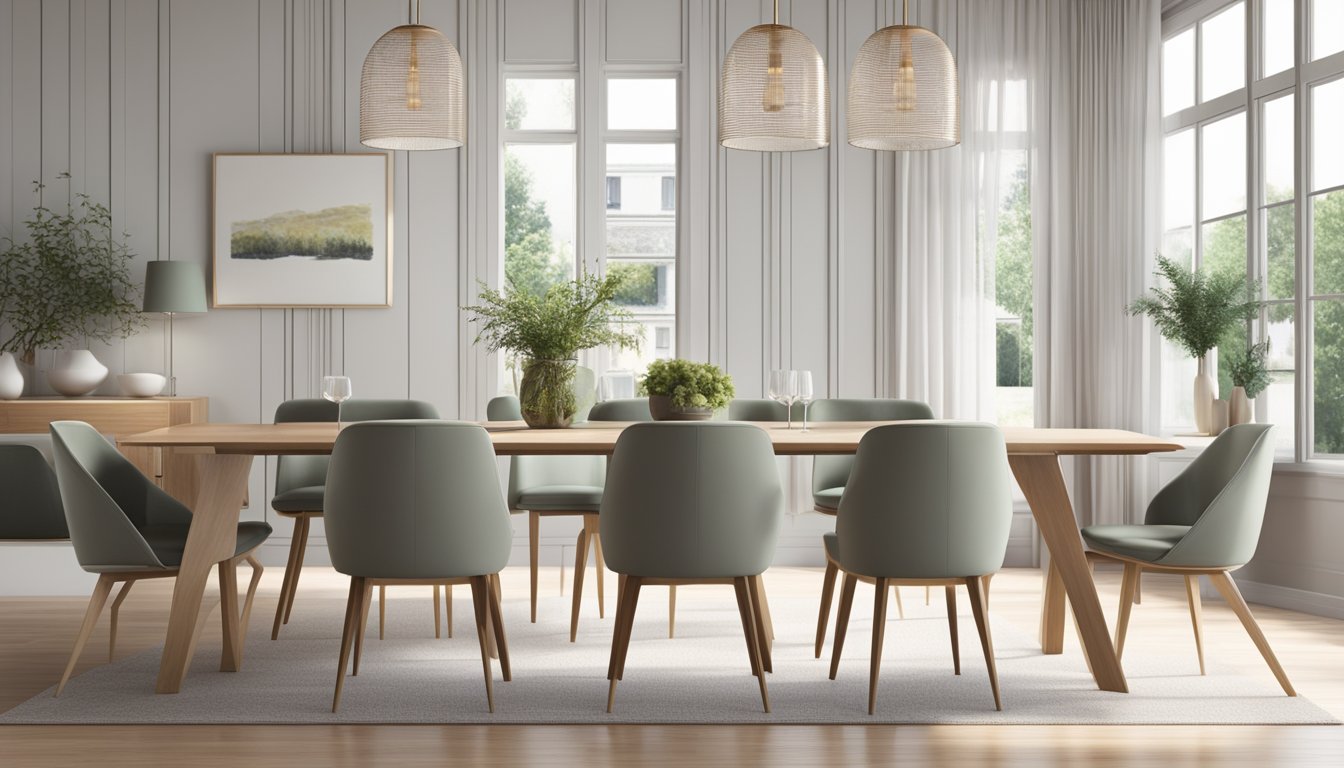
{"type": "Point", "coordinates": [142, 384]}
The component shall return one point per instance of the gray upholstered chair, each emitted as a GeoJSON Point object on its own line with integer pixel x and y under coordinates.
{"type": "Point", "coordinates": [748, 409]}
{"type": "Point", "coordinates": [125, 528]}
{"type": "Point", "coordinates": [551, 486]}
{"type": "Point", "coordinates": [300, 482]}
{"type": "Point", "coordinates": [31, 508]}
{"type": "Point", "coordinates": [418, 502]}
{"type": "Point", "coordinates": [1207, 522]}
{"type": "Point", "coordinates": [691, 503]}
{"type": "Point", "coordinates": [829, 474]}
{"type": "Point", "coordinates": [927, 504]}
{"type": "Point", "coordinates": [628, 409]}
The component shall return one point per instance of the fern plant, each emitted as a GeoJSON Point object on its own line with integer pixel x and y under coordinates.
{"type": "Point", "coordinates": [1194, 309]}
{"type": "Point", "coordinates": [1247, 369]}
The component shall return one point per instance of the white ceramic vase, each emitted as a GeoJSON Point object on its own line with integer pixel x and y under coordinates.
{"type": "Point", "coordinates": [77, 372]}
{"type": "Point", "coordinates": [11, 378]}
{"type": "Point", "coordinates": [1204, 395]}
{"type": "Point", "coordinates": [1240, 410]}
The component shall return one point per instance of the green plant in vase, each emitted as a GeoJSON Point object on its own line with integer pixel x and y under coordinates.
{"type": "Point", "coordinates": [548, 332]}
{"type": "Point", "coordinates": [1194, 310]}
{"type": "Point", "coordinates": [1250, 377]}
{"type": "Point", "coordinates": [685, 390]}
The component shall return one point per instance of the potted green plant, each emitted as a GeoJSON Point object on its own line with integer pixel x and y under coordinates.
{"type": "Point", "coordinates": [548, 331]}
{"type": "Point", "coordinates": [1250, 377]}
{"type": "Point", "coordinates": [681, 390]}
{"type": "Point", "coordinates": [1194, 310]}
{"type": "Point", "coordinates": [66, 283]}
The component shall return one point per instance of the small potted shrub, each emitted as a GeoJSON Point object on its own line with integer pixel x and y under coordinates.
{"type": "Point", "coordinates": [680, 390]}
{"type": "Point", "coordinates": [1249, 377]}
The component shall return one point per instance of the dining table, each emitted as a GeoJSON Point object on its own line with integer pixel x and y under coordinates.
{"type": "Point", "coordinates": [224, 455]}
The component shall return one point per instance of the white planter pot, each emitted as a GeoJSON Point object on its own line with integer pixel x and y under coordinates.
{"type": "Point", "coordinates": [11, 378]}
{"type": "Point", "coordinates": [1241, 409]}
{"type": "Point", "coordinates": [1205, 387]}
{"type": "Point", "coordinates": [77, 372]}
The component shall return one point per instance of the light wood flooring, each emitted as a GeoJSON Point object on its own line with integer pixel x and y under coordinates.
{"type": "Point", "coordinates": [35, 637]}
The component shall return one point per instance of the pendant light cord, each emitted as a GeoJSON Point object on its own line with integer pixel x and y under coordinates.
{"type": "Point", "coordinates": [776, 12]}
{"type": "Point", "coordinates": [417, 11]}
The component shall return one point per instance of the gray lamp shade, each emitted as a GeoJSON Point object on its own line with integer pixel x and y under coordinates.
{"type": "Point", "coordinates": [174, 287]}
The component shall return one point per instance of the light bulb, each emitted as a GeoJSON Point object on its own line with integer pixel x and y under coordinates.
{"type": "Point", "coordinates": [772, 99]}
{"type": "Point", "coordinates": [413, 77]}
{"type": "Point", "coordinates": [903, 85]}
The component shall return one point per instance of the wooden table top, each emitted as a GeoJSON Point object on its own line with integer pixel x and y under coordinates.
{"type": "Point", "coordinates": [596, 438]}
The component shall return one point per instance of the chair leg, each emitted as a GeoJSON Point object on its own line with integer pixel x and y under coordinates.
{"type": "Point", "coordinates": [952, 628]}
{"type": "Point", "coordinates": [671, 611]}
{"type": "Point", "coordinates": [1138, 588]}
{"type": "Point", "coordinates": [629, 631]}
{"type": "Point", "coordinates": [497, 621]}
{"type": "Point", "coordinates": [591, 525]}
{"type": "Point", "coordinates": [842, 620]}
{"type": "Point", "coordinates": [900, 609]}
{"type": "Point", "coordinates": [628, 597]}
{"type": "Point", "coordinates": [533, 551]}
{"type": "Point", "coordinates": [928, 595]}
{"type": "Point", "coordinates": [1196, 615]}
{"type": "Point", "coordinates": [580, 565]}
{"type": "Point", "coordinates": [286, 584]}
{"type": "Point", "coordinates": [480, 598]}
{"type": "Point", "coordinates": [448, 608]}
{"type": "Point", "coordinates": [301, 532]}
{"type": "Point", "coordinates": [984, 586]}
{"type": "Point", "coordinates": [751, 629]}
{"type": "Point", "coordinates": [352, 610]}
{"type": "Point", "coordinates": [96, 602]}
{"type": "Point", "coordinates": [1228, 588]}
{"type": "Point", "coordinates": [879, 633]}
{"type": "Point", "coordinates": [245, 619]}
{"type": "Point", "coordinates": [361, 630]}
{"type": "Point", "coordinates": [436, 612]}
{"type": "Point", "coordinates": [827, 593]}
{"type": "Point", "coordinates": [980, 607]}
{"type": "Point", "coordinates": [1128, 582]}
{"type": "Point", "coordinates": [382, 615]}
{"type": "Point", "coordinates": [116, 608]}
{"type": "Point", "coordinates": [765, 611]}
{"type": "Point", "coordinates": [761, 619]}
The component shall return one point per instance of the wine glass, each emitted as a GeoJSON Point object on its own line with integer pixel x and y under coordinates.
{"type": "Point", "coordinates": [337, 390]}
{"type": "Point", "coordinates": [804, 393]}
{"type": "Point", "coordinates": [779, 391]}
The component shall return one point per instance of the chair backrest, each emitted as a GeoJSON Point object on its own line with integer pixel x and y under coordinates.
{"type": "Point", "coordinates": [302, 471]}
{"type": "Point", "coordinates": [1222, 494]}
{"type": "Point", "coordinates": [833, 471]}
{"type": "Point", "coordinates": [748, 409]}
{"type": "Point", "coordinates": [30, 504]}
{"type": "Point", "coordinates": [628, 409]}
{"type": "Point", "coordinates": [107, 501]}
{"type": "Point", "coordinates": [691, 500]}
{"type": "Point", "coordinates": [415, 499]}
{"type": "Point", "coordinates": [928, 501]}
{"type": "Point", "coordinates": [529, 472]}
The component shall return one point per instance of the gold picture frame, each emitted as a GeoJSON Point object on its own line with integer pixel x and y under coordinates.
{"type": "Point", "coordinates": [288, 212]}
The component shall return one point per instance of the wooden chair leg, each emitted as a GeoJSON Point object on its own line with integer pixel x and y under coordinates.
{"type": "Point", "coordinates": [900, 609]}
{"type": "Point", "coordinates": [580, 565]}
{"type": "Point", "coordinates": [751, 629]}
{"type": "Point", "coordinates": [1138, 588]}
{"type": "Point", "coordinates": [928, 595]}
{"type": "Point", "coordinates": [952, 628]}
{"type": "Point", "coordinates": [497, 621]}
{"type": "Point", "coordinates": [765, 611]}
{"type": "Point", "coordinates": [984, 586]}
{"type": "Point", "coordinates": [842, 620]}
{"type": "Point", "coordinates": [629, 630]}
{"type": "Point", "coordinates": [760, 618]}
{"type": "Point", "coordinates": [382, 615]}
{"type": "Point", "coordinates": [827, 593]}
{"type": "Point", "coordinates": [671, 611]}
{"type": "Point", "coordinates": [1128, 582]}
{"type": "Point", "coordinates": [533, 552]}
{"type": "Point", "coordinates": [436, 613]}
{"type": "Point", "coordinates": [1196, 615]}
{"type": "Point", "coordinates": [1228, 588]}
{"type": "Point", "coordinates": [620, 639]}
{"type": "Point", "coordinates": [879, 633]}
{"type": "Point", "coordinates": [594, 529]}
{"type": "Point", "coordinates": [116, 608]}
{"type": "Point", "coordinates": [352, 610]}
{"type": "Point", "coordinates": [245, 619]}
{"type": "Point", "coordinates": [96, 602]}
{"type": "Point", "coordinates": [980, 607]}
{"type": "Point", "coordinates": [363, 619]}
{"type": "Point", "coordinates": [480, 599]}
{"type": "Point", "coordinates": [286, 584]}
{"type": "Point", "coordinates": [448, 608]}
{"type": "Point", "coordinates": [301, 532]}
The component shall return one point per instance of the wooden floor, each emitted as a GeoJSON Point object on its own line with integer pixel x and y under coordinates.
{"type": "Point", "coordinates": [35, 635]}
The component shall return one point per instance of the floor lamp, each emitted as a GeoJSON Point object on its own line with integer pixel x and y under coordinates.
{"type": "Point", "coordinates": [173, 288]}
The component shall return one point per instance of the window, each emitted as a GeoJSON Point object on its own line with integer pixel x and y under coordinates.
{"type": "Point", "coordinates": [1234, 200]}
{"type": "Point", "coordinates": [669, 193]}
{"type": "Point", "coordinates": [613, 193]}
{"type": "Point", "coordinates": [1013, 283]}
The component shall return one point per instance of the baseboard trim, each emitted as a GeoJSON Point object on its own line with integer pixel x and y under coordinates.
{"type": "Point", "coordinates": [1315, 603]}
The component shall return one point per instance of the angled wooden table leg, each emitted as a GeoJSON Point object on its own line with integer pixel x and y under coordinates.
{"type": "Point", "coordinates": [1052, 611]}
{"type": "Point", "coordinates": [1042, 482]}
{"type": "Point", "coordinates": [212, 538]}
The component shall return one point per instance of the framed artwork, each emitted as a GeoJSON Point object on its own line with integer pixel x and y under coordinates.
{"type": "Point", "coordinates": [302, 230]}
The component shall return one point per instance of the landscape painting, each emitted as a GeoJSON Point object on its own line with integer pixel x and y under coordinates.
{"type": "Point", "coordinates": [302, 230]}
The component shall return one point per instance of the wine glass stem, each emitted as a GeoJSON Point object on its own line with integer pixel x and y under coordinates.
{"type": "Point", "coordinates": [788, 410]}
{"type": "Point", "coordinates": [805, 404]}
{"type": "Point", "coordinates": [338, 415]}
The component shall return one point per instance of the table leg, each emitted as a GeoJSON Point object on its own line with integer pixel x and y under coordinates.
{"type": "Point", "coordinates": [1042, 482]}
{"type": "Point", "coordinates": [214, 531]}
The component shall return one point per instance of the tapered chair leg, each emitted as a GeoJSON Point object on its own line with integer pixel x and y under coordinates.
{"type": "Point", "coordinates": [980, 608]}
{"type": "Point", "coordinates": [671, 611]}
{"type": "Point", "coordinates": [480, 598]}
{"type": "Point", "coordinates": [382, 615]}
{"type": "Point", "coordinates": [290, 581]}
{"type": "Point", "coordinates": [533, 553]}
{"type": "Point", "coordinates": [1129, 581]}
{"type": "Point", "coordinates": [364, 601]}
{"type": "Point", "coordinates": [436, 612]}
{"type": "Point", "coordinates": [301, 533]}
{"type": "Point", "coordinates": [1196, 615]}
{"type": "Point", "coordinates": [827, 593]}
{"type": "Point", "coordinates": [760, 618]}
{"type": "Point", "coordinates": [628, 597]}
{"type": "Point", "coordinates": [928, 595]}
{"type": "Point", "coordinates": [591, 525]}
{"type": "Point", "coordinates": [497, 622]}
{"type": "Point", "coordinates": [842, 620]}
{"type": "Point", "coordinates": [879, 633]}
{"type": "Point", "coordinates": [448, 608]}
{"type": "Point", "coordinates": [96, 602]}
{"type": "Point", "coordinates": [751, 628]}
{"type": "Point", "coordinates": [1228, 589]}
{"type": "Point", "coordinates": [952, 628]}
{"type": "Point", "coordinates": [352, 612]}
{"type": "Point", "coordinates": [1138, 588]}
{"type": "Point", "coordinates": [245, 619]}
{"type": "Point", "coordinates": [116, 608]}
{"type": "Point", "coordinates": [900, 609]}
{"type": "Point", "coordinates": [580, 565]}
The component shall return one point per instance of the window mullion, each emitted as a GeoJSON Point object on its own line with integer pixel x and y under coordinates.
{"type": "Point", "coordinates": [1306, 373]}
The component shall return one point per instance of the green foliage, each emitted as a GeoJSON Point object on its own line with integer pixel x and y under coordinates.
{"type": "Point", "coordinates": [688, 384]}
{"type": "Point", "coordinates": [1328, 322]}
{"type": "Point", "coordinates": [1196, 309]}
{"type": "Point", "coordinates": [639, 284]}
{"type": "Point", "coordinates": [341, 232]}
{"type": "Point", "coordinates": [68, 281]}
{"type": "Point", "coordinates": [1013, 356]}
{"type": "Point", "coordinates": [1013, 284]}
{"type": "Point", "coordinates": [531, 263]}
{"type": "Point", "coordinates": [572, 315]}
{"type": "Point", "coordinates": [1247, 370]}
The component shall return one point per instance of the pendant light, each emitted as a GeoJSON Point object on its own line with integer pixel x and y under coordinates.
{"type": "Point", "coordinates": [411, 90]}
{"type": "Point", "coordinates": [903, 92]}
{"type": "Point", "coordinates": [773, 94]}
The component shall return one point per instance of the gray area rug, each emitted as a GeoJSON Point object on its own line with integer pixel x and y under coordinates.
{"type": "Point", "coordinates": [701, 676]}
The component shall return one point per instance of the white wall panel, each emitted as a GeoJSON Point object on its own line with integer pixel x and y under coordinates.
{"type": "Point", "coordinates": [643, 31]}
{"type": "Point", "coordinates": [541, 31]}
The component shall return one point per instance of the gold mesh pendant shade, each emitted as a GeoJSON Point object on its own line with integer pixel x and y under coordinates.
{"type": "Point", "coordinates": [903, 92]}
{"type": "Point", "coordinates": [410, 93]}
{"type": "Point", "coordinates": [773, 95]}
